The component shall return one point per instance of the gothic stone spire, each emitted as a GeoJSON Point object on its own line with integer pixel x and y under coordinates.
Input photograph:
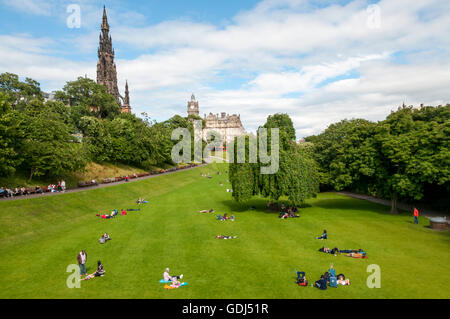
{"type": "Point", "coordinates": [126, 100]}
{"type": "Point", "coordinates": [106, 68]}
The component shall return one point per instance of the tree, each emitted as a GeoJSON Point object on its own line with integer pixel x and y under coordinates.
{"type": "Point", "coordinates": [283, 122]}
{"type": "Point", "coordinates": [19, 93]}
{"type": "Point", "coordinates": [399, 158]}
{"type": "Point", "coordinates": [413, 145]}
{"type": "Point", "coordinates": [10, 137]}
{"type": "Point", "coordinates": [96, 138]}
{"type": "Point", "coordinates": [296, 177]}
{"type": "Point", "coordinates": [47, 147]}
{"type": "Point", "coordinates": [89, 97]}
{"type": "Point", "coordinates": [346, 155]}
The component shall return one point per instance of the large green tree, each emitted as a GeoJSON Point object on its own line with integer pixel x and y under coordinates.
{"type": "Point", "coordinates": [19, 93]}
{"type": "Point", "coordinates": [48, 148]}
{"type": "Point", "coordinates": [10, 137]}
{"type": "Point", "coordinates": [88, 98]}
{"type": "Point", "coordinates": [346, 155]}
{"type": "Point", "coordinates": [402, 157]}
{"type": "Point", "coordinates": [413, 147]}
{"type": "Point", "coordinates": [296, 177]}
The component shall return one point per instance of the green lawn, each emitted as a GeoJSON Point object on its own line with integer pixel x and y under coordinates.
{"type": "Point", "coordinates": [41, 237]}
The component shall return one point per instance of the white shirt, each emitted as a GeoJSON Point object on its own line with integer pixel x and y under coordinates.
{"type": "Point", "coordinates": [83, 258]}
{"type": "Point", "coordinates": [167, 276]}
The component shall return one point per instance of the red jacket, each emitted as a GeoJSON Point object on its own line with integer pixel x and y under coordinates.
{"type": "Point", "coordinates": [416, 212]}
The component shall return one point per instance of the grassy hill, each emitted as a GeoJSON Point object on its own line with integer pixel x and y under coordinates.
{"type": "Point", "coordinates": [97, 171]}
{"type": "Point", "coordinates": [41, 236]}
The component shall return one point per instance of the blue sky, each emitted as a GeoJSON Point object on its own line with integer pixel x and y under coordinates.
{"type": "Point", "coordinates": [319, 61]}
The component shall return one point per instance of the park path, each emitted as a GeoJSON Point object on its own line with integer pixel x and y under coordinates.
{"type": "Point", "coordinates": [81, 189]}
{"type": "Point", "coordinates": [424, 211]}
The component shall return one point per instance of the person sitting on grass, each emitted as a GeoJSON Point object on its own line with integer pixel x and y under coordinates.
{"type": "Point", "coordinates": [225, 216]}
{"type": "Point", "coordinates": [167, 277]}
{"type": "Point", "coordinates": [324, 235]}
{"type": "Point", "coordinates": [301, 278]}
{"type": "Point", "coordinates": [321, 283]}
{"type": "Point", "coordinates": [123, 212]}
{"type": "Point", "coordinates": [100, 272]}
{"type": "Point", "coordinates": [283, 215]}
{"type": "Point", "coordinates": [292, 214]}
{"type": "Point", "coordinates": [232, 218]}
{"type": "Point", "coordinates": [206, 211]}
{"type": "Point", "coordinates": [342, 281]}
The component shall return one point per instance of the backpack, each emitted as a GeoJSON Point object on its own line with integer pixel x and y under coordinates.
{"type": "Point", "coordinates": [333, 282]}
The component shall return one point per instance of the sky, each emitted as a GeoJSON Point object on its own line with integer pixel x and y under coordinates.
{"type": "Point", "coordinates": [318, 61]}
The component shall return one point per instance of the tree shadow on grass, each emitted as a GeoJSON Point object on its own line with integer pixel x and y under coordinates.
{"type": "Point", "coordinates": [256, 204]}
{"type": "Point", "coordinates": [356, 204]}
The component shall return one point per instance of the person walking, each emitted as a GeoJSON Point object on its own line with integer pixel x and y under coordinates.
{"type": "Point", "coordinates": [63, 186]}
{"type": "Point", "coordinates": [416, 215]}
{"type": "Point", "coordinates": [82, 257]}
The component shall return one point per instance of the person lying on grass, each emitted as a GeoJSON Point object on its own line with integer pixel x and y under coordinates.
{"type": "Point", "coordinates": [327, 250]}
{"type": "Point", "coordinates": [206, 211]}
{"type": "Point", "coordinates": [100, 272]}
{"type": "Point", "coordinates": [168, 277]}
{"type": "Point", "coordinates": [357, 255]}
{"type": "Point", "coordinates": [141, 201]}
{"type": "Point", "coordinates": [225, 217]}
{"type": "Point", "coordinates": [342, 281]}
{"type": "Point", "coordinates": [324, 235]}
{"type": "Point", "coordinates": [225, 237]}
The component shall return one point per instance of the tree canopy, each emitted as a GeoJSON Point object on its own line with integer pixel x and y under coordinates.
{"type": "Point", "coordinates": [296, 177]}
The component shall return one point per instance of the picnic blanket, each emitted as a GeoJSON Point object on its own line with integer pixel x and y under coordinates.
{"type": "Point", "coordinates": [166, 286]}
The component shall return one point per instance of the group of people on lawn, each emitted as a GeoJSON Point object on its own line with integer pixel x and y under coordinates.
{"type": "Point", "coordinates": [327, 279]}
{"type": "Point", "coordinates": [82, 259]}
{"type": "Point", "coordinates": [287, 212]}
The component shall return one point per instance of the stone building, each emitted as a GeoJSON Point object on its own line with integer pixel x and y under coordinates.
{"type": "Point", "coordinates": [228, 126]}
{"type": "Point", "coordinates": [106, 67]}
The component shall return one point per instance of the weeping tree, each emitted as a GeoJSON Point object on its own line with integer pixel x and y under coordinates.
{"type": "Point", "coordinates": [288, 169]}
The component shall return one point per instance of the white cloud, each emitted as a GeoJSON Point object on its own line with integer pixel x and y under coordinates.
{"type": "Point", "coordinates": [39, 7]}
{"type": "Point", "coordinates": [280, 47]}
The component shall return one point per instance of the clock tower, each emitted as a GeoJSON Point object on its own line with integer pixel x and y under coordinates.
{"type": "Point", "coordinates": [193, 106]}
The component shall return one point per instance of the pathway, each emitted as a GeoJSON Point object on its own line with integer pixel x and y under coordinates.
{"type": "Point", "coordinates": [424, 211]}
{"type": "Point", "coordinates": [80, 189]}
